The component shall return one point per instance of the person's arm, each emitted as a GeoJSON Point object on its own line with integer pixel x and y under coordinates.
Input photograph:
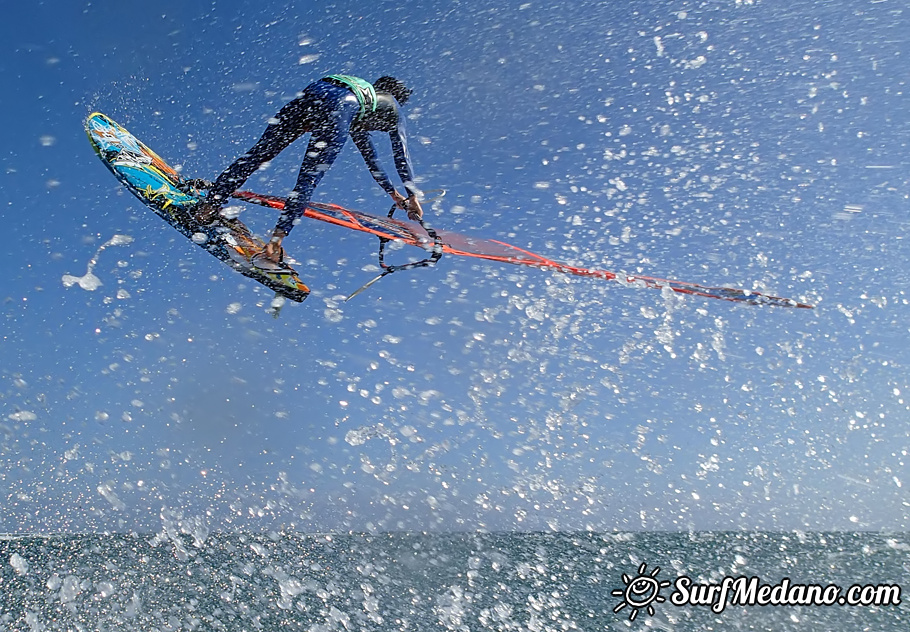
{"type": "Point", "coordinates": [368, 151]}
{"type": "Point", "coordinates": [402, 160]}
{"type": "Point", "coordinates": [403, 166]}
{"type": "Point", "coordinates": [410, 204]}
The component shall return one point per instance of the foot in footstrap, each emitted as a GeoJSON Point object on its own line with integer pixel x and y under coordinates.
{"type": "Point", "coordinates": [205, 212]}
{"type": "Point", "coordinates": [261, 261]}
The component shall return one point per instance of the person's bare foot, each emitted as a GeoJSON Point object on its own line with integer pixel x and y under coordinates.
{"type": "Point", "coordinates": [274, 251]}
{"type": "Point", "coordinates": [271, 257]}
{"type": "Point", "coordinates": [270, 263]}
{"type": "Point", "coordinates": [262, 261]}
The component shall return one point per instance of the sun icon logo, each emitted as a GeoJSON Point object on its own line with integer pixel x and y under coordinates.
{"type": "Point", "coordinates": [640, 592]}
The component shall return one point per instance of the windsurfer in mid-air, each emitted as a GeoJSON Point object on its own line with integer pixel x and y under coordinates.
{"type": "Point", "coordinates": [331, 108]}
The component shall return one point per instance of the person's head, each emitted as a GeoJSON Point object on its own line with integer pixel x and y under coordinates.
{"type": "Point", "coordinates": [394, 87]}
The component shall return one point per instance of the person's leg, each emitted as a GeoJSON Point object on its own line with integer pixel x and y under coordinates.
{"type": "Point", "coordinates": [324, 147]}
{"type": "Point", "coordinates": [327, 140]}
{"type": "Point", "coordinates": [286, 127]}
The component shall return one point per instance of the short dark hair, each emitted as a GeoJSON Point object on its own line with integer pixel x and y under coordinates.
{"type": "Point", "coordinates": [394, 87]}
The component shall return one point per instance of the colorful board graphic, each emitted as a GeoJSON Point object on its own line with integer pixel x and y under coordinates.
{"type": "Point", "coordinates": [162, 189]}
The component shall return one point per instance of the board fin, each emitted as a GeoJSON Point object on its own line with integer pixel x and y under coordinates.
{"type": "Point", "coordinates": [276, 305]}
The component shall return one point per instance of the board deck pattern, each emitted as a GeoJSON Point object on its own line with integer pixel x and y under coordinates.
{"type": "Point", "coordinates": [162, 189]}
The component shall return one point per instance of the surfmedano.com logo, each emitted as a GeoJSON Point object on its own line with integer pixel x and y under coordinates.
{"type": "Point", "coordinates": [642, 591]}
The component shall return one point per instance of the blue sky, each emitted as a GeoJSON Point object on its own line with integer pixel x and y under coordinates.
{"type": "Point", "coordinates": [756, 144]}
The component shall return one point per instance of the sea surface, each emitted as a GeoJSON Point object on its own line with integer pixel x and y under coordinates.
{"type": "Point", "coordinates": [413, 581]}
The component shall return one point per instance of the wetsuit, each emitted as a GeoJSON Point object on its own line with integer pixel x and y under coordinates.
{"type": "Point", "coordinates": [331, 109]}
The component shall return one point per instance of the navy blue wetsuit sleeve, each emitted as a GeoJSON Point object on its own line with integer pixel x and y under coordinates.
{"type": "Point", "coordinates": [402, 160]}
{"type": "Point", "coordinates": [368, 151]}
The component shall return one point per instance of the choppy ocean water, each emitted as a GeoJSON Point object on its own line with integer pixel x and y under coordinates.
{"type": "Point", "coordinates": [406, 581]}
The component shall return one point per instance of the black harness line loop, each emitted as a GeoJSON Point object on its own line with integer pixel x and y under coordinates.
{"type": "Point", "coordinates": [436, 255]}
